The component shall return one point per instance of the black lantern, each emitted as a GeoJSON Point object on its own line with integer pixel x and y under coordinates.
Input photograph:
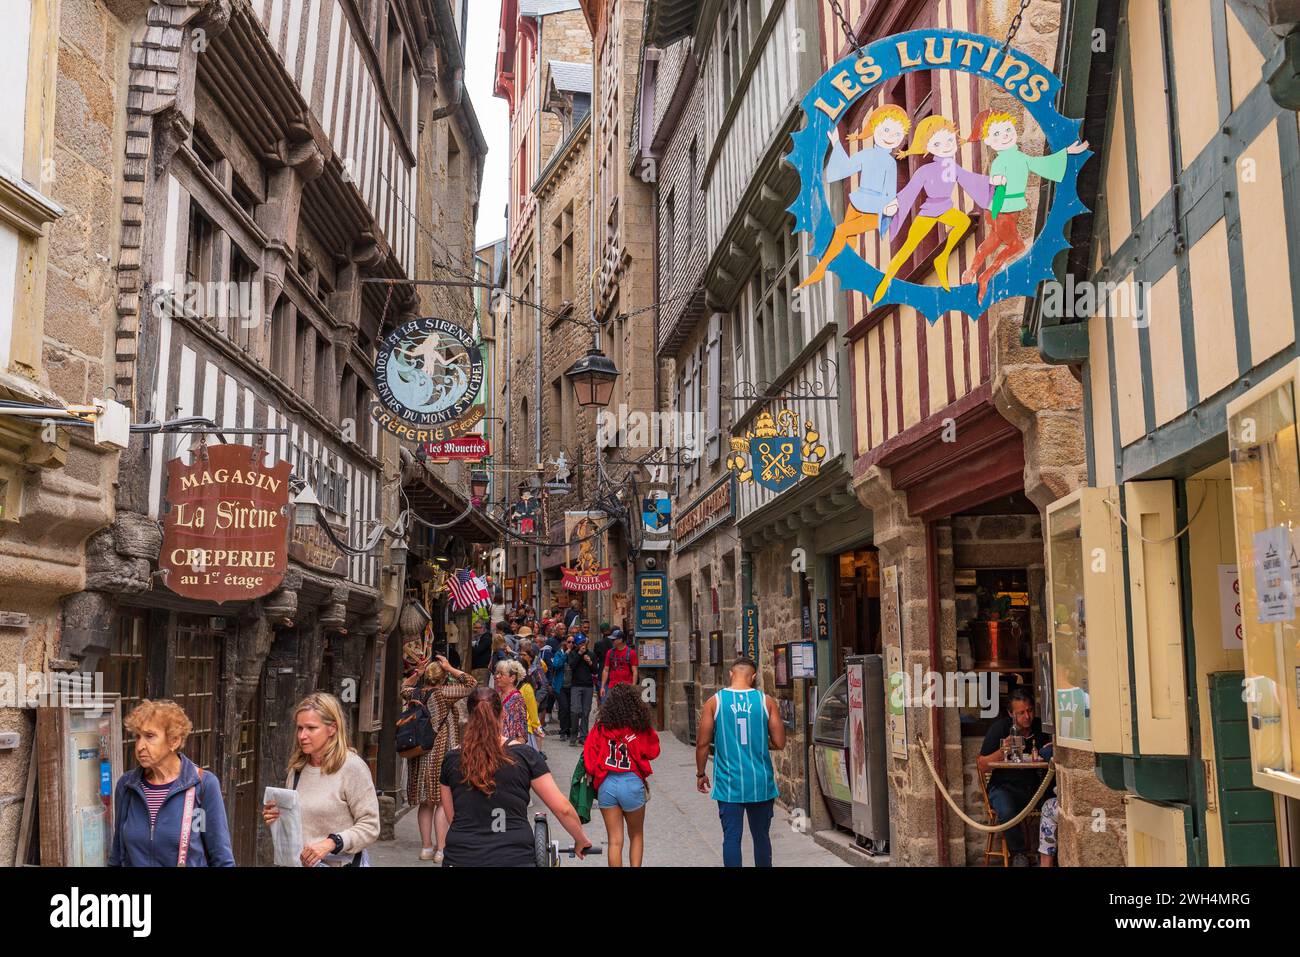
{"type": "Point", "coordinates": [478, 485]}
{"type": "Point", "coordinates": [593, 377]}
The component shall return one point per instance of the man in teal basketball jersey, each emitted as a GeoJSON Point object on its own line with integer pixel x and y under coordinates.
{"type": "Point", "coordinates": [743, 725]}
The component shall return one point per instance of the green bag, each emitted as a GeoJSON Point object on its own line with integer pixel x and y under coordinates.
{"type": "Point", "coordinates": [581, 794]}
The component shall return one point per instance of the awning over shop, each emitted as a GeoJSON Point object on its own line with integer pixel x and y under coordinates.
{"type": "Point", "coordinates": [435, 501]}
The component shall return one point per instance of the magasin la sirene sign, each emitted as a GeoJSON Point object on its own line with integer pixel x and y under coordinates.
{"type": "Point", "coordinates": [226, 527]}
{"type": "Point", "coordinates": [936, 197]}
{"type": "Point", "coordinates": [428, 373]}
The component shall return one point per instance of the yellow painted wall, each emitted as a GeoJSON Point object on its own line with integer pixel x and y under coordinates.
{"type": "Point", "coordinates": [1116, 182]}
{"type": "Point", "coordinates": [1216, 343]}
{"type": "Point", "coordinates": [936, 349]}
{"type": "Point", "coordinates": [1264, 241]}
{"type": "Point", "coordinates": [1099, 388]}
{"type": "Point", "coordinates": [1194, 75]}
{"type": "Point", "coordinates": [1165, 334]}
{"type": "Point", "coordinates": [1128, 365]}
{"type": "Point", "coordinates": [1244, 60]}
{"type": "Point", "coordinates": [873, 364]}
{"type": "Point", "coordinates": [907, 320]}
{"type": "Point", "coordinates": [1151, 120]}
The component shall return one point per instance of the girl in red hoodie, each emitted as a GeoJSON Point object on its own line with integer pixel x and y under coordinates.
{"type": "Point", "coordinates": [617, 754]}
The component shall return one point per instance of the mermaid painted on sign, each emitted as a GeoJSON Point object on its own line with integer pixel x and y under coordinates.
{"type": "Point", "coordinates": [423, 380]}
{"type": "Point", "coordinates": [936, 136]}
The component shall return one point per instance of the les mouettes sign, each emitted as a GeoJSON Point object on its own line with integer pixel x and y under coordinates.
{"type": "Point", "coordinates": [226, 529]}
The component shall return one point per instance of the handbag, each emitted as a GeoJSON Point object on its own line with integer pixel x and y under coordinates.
{"type": "Point", "coordinates": [581, 794]}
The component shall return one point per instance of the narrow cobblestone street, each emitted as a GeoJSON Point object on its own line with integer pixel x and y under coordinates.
{"type": "Point", "coordinates": [682, 828]}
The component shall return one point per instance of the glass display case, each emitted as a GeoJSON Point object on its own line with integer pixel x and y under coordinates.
{"type": "Point", "coordinates": [1265, 461]}
{"type": "Point", "coordinates": [1069, 624]}
{"type": "Point", "coordinates": [1089, 636]}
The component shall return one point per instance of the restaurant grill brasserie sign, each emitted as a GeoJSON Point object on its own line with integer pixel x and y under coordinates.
{"type": "Point", "coordinates": [226, 527]}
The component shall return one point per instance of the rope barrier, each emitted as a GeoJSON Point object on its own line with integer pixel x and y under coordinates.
{"type": "Point", "coordinates": [986, 828]}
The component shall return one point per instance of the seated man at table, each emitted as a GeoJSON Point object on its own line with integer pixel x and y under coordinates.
{"type": "Point", "coordinates": [1010, 791]}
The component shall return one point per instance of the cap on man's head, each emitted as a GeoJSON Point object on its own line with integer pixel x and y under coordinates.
{"type": "Point", "coordinates": [525, 632]}
{"type": "Point", "coordinates": [579, 639]}
{"type": "Point", "coordinates": [617, 635]}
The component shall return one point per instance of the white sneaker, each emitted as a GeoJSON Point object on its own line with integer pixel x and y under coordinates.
{"type": "Point", "coordinates": [437, 857]}
{"type": "Point", "coordinates": [428, 854]}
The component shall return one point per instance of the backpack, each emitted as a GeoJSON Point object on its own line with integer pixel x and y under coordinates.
{"type": "Point", "coordinates": [415, 731]}
{"type": "Point", "coordinates": [615, 663]}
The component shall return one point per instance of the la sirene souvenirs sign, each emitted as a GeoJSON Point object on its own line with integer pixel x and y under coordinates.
{"type": "Point", "coordinates": [428, 372]}
{"type": "Point", "coordinates": [226, 528]}
{"type": "Point", "coordinates": [971, 163]}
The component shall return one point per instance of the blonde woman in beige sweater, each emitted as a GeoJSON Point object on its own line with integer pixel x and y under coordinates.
{"type": "Point", "coordinates": [336, 794]}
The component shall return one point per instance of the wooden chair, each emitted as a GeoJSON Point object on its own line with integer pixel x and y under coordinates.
{"type": "Point", "coordinates": [994, 839]}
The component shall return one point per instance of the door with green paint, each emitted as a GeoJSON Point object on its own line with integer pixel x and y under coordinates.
{"type": "Point", "coordinates": [1249, 827]}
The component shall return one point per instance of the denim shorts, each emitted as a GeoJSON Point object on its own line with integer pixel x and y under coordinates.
{"type": "Point", "coordinates": [623, 790]}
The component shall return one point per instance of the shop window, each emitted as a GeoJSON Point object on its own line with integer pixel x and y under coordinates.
{"type": "Point", "coordinates": [201, 249]}
{"type": "Point", "coordinates": [1086, 615]}
{"type": "Point", "coordinates": [126, 671]}
{"type": "Point", "coordinates": [195, 681]}
{"type": "Point", "coordinates": [1265, 459]}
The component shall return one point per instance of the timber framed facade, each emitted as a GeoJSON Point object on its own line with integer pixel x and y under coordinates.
{"type": "Point", "coordinates": [1192, 238]}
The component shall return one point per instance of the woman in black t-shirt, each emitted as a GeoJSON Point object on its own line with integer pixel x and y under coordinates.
{"type": "Point", "coordinates": [485, 793]}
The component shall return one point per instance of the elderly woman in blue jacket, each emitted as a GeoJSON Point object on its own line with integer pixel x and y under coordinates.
{"type": "Point", "coordinates": [167, 812]}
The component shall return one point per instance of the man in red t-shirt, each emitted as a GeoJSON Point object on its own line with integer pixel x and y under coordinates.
{"type": "Point", "coordinates": [620, 664]}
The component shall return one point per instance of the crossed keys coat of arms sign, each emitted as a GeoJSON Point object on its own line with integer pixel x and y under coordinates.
{"type": "Point", "coordinates": [775, 454]}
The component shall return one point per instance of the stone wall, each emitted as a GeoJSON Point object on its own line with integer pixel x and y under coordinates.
{"type": "Point", "coordinates": [776, 592]}
{"type": "Point", "coordinates": [43, 558]}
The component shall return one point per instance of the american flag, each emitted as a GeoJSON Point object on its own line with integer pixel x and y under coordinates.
{"type": "Point", "coordinates": [467, 590]}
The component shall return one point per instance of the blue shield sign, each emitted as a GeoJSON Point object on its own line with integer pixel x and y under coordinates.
{"type": "Point", "coordinates": [775, 461]}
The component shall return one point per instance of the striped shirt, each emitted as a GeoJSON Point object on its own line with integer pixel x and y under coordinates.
{"type": "Point", "coordinates": [742, 764]}
{"type": "Point", "coordinates": [154, 795]}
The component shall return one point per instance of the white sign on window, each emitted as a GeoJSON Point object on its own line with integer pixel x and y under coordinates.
{"type": "Point", "coordinates": [1273, 575]}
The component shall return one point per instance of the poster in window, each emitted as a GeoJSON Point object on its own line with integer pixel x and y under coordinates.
{"type": "Point", "coordinates": [781, 665]}
{"type": "Point", "coordinates": [715, 648]}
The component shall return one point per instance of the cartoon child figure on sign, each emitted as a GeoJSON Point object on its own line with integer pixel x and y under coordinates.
{"type": "Point", "coordinates": [935, 136]}
{"type": "Point", "coordinates": [1009, 175]}
{"type": "Point", "coordinates": [874, 203]}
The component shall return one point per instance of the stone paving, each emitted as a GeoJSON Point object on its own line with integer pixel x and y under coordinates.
{"type": "Point", "coordinates": [682, 828]}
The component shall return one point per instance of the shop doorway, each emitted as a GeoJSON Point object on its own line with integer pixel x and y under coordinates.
{"type": "Point", "coordinates": [248, 812]}
{"type": "Point", "coordinates": [857, 605]}
{"type": "Point", "coordinates": [196, 685]}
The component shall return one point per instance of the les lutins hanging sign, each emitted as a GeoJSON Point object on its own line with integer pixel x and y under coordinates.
{"type": "Point", "coordinates": [932, 197]}
{"type": "Point", "coordinates": [428, 373]}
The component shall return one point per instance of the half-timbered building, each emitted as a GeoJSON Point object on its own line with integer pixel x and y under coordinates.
{"type": "Point", "coordinates": [289, 165]}
{"type": "Point", "coordinates": [960, 435]}
{"type": "Point", "coordinates": [1178, 308]}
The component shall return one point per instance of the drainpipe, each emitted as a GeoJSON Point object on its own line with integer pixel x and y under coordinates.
{"type": "Point", "coordinates": [457, 84]}
{"type": "Point", "coordinates": [936, 713]}
{"type": "Point", "coordinates": [537, 305]}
